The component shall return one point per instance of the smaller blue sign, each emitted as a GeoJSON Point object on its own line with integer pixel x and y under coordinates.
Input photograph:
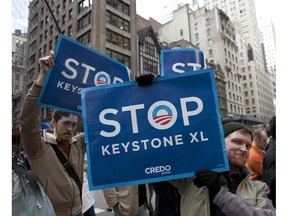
{"type": "Point", "coordinates": [45, 125]}
{"type": "Point", "coordinates": [77, 67]}
{"type": "Point", "coordinates": [181, 61]}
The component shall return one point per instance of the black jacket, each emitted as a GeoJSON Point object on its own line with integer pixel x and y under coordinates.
{"type": "Point", "coordinates": [269, 170]}
{"type": "Point", "coordinates": [167, 201]}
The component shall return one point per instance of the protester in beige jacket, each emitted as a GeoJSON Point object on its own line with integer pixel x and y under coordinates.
{"type": "Point", "coordinates": [58, 185]}
{"type": "Point", "coordinates": [128, 200]}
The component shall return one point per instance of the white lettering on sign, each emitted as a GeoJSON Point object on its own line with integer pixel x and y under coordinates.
{"type": "Point", "coordinates": [145, 144]}
{"type": "Point", "coordinates": [100, 77]}
{"type": "Point", "coordinates": [178, 67]}
{"type": "Point", "coordinates": [161, 115]}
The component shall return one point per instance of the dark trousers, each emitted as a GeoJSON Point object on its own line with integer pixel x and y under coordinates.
{"type": "Point", "coordinates": [90, 212]}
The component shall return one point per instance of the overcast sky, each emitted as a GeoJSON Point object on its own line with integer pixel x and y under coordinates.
{"type": "Point", "coordinates": [157, 9]}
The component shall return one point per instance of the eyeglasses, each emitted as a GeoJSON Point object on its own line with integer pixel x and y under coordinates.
{"type": "Point", "coordinates": [68, 124]}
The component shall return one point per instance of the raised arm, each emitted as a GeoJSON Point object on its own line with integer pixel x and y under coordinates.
{"type": "Point", "coordinates": [30, 115]}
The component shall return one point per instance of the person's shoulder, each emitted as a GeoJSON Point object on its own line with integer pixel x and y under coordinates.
{"type": "Point", "coordinates": [79, 140]}
{"type": "Point", "coordinates": [260, 185]}
{"type": "Point", "coordinates": [78, 137]}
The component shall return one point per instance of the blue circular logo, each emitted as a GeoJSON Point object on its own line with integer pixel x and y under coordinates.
{"type": "Point", "coordinates": [162, 115]}
{"type": "Point", "coordinates": [102, 80]}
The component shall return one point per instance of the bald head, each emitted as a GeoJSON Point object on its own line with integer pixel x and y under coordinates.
{"type": "Point", "coordinates": [260, 139]}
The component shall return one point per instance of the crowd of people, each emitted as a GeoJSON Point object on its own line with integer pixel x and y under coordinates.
{"type": "Point", "coordinates": [54, 180]}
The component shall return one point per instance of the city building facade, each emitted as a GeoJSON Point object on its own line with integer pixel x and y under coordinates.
{"type": "Point", "coordinates": [112, 27]}
{"type": "Point", "coordinates": [225, 42]}
{"type": "Point", "coordinates": [149, 46]}
{"type": "Point", "coordinates": [106, 26]}
{"type": "Point", "coordinates": [213, 33]}
{"type": "Point", "coordinates": [257, 86]}
{"type": "Point", "coordinates": [19, 46]}
{"type": "Point", "coordinates": [268, 40]}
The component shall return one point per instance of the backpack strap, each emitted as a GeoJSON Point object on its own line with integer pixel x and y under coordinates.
{"type": "Point", "coordinates": [68, 167]}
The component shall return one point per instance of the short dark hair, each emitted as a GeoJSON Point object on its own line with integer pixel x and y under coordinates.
{"type": "Point", "coordinates": [57, 114]}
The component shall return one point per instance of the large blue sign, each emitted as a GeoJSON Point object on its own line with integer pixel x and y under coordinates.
{"type": "Point", "coordinates": [77, 67]}
{"type": "Point", "coordinates": [161, 132]}
{"type": "Point", "coordinates": [181, 60]}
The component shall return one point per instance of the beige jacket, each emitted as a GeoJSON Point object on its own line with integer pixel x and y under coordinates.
{"type": "Point", "coordinates": [58, 185]}
{"type": "Point", "coordinates": [124, 200]}
{"type": "Point", "coordinates": [251, 198]}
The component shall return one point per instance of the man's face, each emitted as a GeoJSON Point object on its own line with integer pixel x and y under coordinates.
{"type": "Point", "coordinates": [65, 128]}
{"type": "Point", "coordinates": [238, 148]}
{"type": "Point", "coordinates": [262, 142]}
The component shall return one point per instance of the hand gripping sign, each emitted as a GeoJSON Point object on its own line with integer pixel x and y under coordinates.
{"type": "Point", "coordinates": [181, 60]}
{"type": "Point", "coordinates": [153, 133]}
{"type": "Point", "coordinates": [77, 67]}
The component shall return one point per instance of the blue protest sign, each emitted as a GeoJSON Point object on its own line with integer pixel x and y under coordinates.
{"type": "Point", "coordinates": [77, 67]}
{"type": "Point", "coordinates": [45, 125]}
{"type": "Point", "coordinates": [181, 60]}
{"type": "Point", "coordinates": [153, 133]}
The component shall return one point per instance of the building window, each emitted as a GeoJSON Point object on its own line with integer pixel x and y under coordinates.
{"type": "Point", "coordinates": [150, 66]}
{"type": "Point", "coordinates": [31, 73]}
{"type": "Point", "coordinates": [70, 30]}
{"type": "Point", "coordinates": [181, 32]}
{"type": "Point", "coordinates": [63, 19]}
{"type": "Point", "coordinates": [32, 59]}
{"type": "Point", "coordinates": [84, 5]}
{"type": "Point", "coordinates": [117, 21]}
{"type": "Point", "coordinates": [119, 57]}
{"type": "Point", "coordinates": [70, 14]}
{"type": "Point", "coordinates": [149, 46]}
{"type": "Point", "coordinates": [119, 5]}
{"type": "Point", "coordinates": [196, 37]}
{"type": "Point", "coordinates": [210, 42]}
{"type": "Point", "coordinates": [208, 32]}
{"type": "Point", "coordinates": [58, 10]}
{"type": "Point", "coordinates": [207, 22]}
{"type": "Point", "coordinates": [51, 45]}
{"type": "Point", "coordinates": [210, 53]}
{"type": "Point", "coordinates": [55, 40]}
{"type": "Point", "coordinates": [85, 38]}
{"type": "Point", "coordinates": [51, 29]}
{"type": "Point", "coordinates": [117, 39]}
{"type": "Point", "coordinates": [84, 21]}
